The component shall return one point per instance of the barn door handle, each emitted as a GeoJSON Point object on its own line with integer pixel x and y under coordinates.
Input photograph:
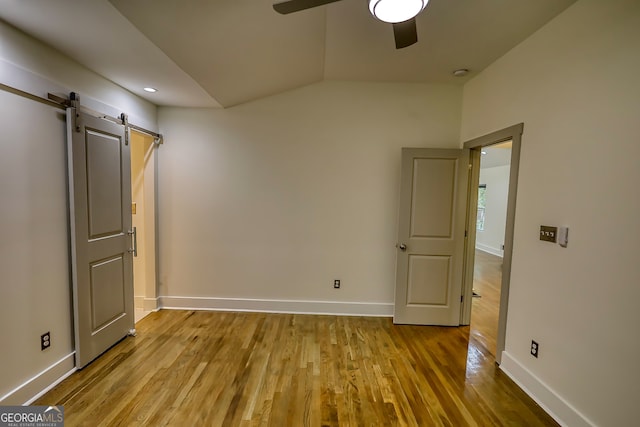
{"type": "Point", "coordinates": [402, 247]}
{"type": "Point", "coordinates": [134, 233]}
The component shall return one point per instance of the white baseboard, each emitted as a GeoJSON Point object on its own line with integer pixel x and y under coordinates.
{"type": "Point", "coordinates": [561, 410]}
{"type": "Point", "coordinates": [150, 304]}
{"type": "Point", "coordinates": [489, 249]}
{"type": "Point", "coordinates": [41, 383]}
{"type": "Point", "coordinates": [278, 306]}
{"type": "Point", "coordinates": [146, 304]}
{"type": "Point", "coordinates": [138, 302]}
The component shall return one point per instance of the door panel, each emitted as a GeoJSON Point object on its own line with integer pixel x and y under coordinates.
{"type": "Point", "coordinates": [107, 291]}
{"type": "Point", "coordinates": [432, 202]}
{"type": "Point", "coordinates": [426, 273]}
{"type": "Point", "coordinates": [431, 227]}
{"type": "Point", "coordinates": [104, 181]}
{"type": "Point", "coordinates": [102, 268]}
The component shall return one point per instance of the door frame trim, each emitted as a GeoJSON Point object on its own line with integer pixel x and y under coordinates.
{"type": "Point", "coordinates": [513, 133]}
{"type": "Point", "coordinates": [151, 302]}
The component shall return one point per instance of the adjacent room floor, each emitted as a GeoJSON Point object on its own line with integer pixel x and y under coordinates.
{"type": "Point", "coordinates": [487, 279]}
{"type": "Point", "coordinates": [246, 369]}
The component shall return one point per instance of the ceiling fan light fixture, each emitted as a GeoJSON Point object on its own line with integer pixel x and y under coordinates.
{"type": "Point", "coordinates": [394, 11]}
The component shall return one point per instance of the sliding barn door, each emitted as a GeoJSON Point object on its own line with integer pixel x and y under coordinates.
{"type": "Point", "coordinates": [100, 211]}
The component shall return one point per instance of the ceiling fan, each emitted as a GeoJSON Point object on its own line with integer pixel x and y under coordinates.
{"type": "Point", "coordinates": [400, 13]}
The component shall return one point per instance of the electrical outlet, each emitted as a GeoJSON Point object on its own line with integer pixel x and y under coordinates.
{"type": "Point", "coordinates": [45, 341]}
{"type": "Point", "coordinates": [535, 348]}
{"type": "Point", "coordinates": [336, 283]}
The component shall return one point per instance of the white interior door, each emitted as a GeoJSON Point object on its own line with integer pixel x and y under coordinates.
{"type": "Point", "coordinates": [100, 198]}
{"type": "Point", "coordinates": [431, 236]}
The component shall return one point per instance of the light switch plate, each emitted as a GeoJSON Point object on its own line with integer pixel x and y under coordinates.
{"type": "Point", "coordinates": [548, 233]}
{"type": "Point", "coordinates": [563, 236]}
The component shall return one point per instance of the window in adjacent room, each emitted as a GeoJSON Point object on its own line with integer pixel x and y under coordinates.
{"type": "Point", "coordinates": [482, 189]}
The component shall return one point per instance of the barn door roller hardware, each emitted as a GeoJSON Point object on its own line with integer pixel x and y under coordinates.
{"type": "Point", "coordinates": [123, 119]}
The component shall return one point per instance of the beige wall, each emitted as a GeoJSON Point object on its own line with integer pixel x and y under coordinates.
{"type": "Point", "coordinates": [575, 86]}
{"type": "Point", "coordinates": [143, 195]}
{"type": "Point", "coordinates": [274, 199]}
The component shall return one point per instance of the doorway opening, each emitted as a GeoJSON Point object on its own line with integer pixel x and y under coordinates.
{"type": "Point", "coordinates": [491, 218]}
{"type": "Point", "coordinates": [143, 214]}
{"type": "Point", "coordinates": [494, 237]}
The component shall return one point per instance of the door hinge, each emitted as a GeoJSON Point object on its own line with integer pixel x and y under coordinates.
{"type": "Point", "coordinates": [466, 233]}
{"type": "Point", "coordinates": [74, 100]}
{"type": "Point", "coordinates": [470, 166]}
{"type": "Point", "coordinates": [461, 298]}
{"type": "Point", "coordinates": [125, 122]}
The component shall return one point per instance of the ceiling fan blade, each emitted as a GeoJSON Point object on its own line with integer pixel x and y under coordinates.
{"type": "Point", "coordinates": [297, 5]}
{"type": "Point", "coordinates": [405, 33]}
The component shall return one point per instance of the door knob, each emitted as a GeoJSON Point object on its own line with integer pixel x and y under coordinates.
{"type": "Point", "coordinates": [402, 247]}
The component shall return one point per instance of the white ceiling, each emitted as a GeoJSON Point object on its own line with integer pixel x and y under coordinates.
{"type": "Point", "coordinates": [496, 155]}
{"type": "Point", "coordinates": [215, 53]}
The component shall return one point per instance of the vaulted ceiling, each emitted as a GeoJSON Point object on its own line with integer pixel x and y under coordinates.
{"type": "Point", "coordinates": [226, 52]}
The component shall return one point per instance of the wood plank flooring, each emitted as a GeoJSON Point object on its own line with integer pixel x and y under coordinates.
{"type": "Point", "coordinates": [254, 369]}
{"type": "Point", "coordinates": [485, 309]}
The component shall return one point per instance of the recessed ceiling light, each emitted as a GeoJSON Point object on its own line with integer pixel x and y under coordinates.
{"type": "Point", "coordinates": [150, 89]}
{"type": "Point", "coordinates": [483, 152]}
{"type": "Point", "coordinates": [461, 72]}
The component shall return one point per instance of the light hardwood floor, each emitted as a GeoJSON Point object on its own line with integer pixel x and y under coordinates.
{"type": "Point", "coordinates": [487, 280]}
{"type": "Point", "coordinates": [197, 368]}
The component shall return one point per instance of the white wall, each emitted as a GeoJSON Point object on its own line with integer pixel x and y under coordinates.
{"type": "Point", "coordinates": [34, 295]}
{"type": "Point", "coordinates": [30, 65]}
{"type": "Point", "coordinates": [35, 290]}
{"type": "Point", "coordinates": [575, 86]}
{"type": "Point", "coordinates": [491, 238]}
{"type": "Point", "coordinates": [274, 199]}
